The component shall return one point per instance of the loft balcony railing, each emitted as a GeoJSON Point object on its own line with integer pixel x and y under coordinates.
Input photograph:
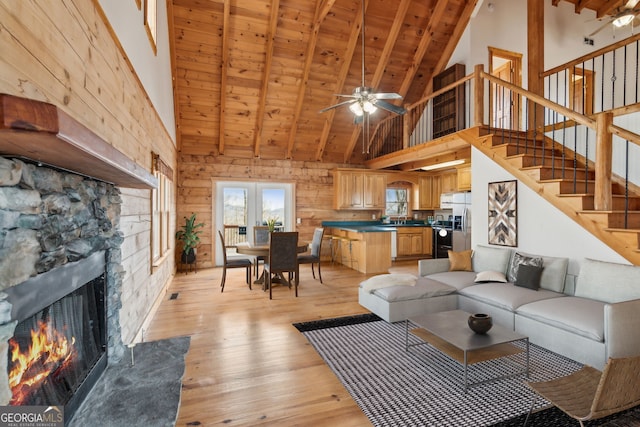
{"type": "Point", "coordinates": [601, 140]}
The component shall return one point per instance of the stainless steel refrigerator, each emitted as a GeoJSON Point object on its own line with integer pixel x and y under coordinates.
{"type": "Point", "coordinates": [461, 206]}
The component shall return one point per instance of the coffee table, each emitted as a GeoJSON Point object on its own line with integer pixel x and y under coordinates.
{"type": "Point", "coordinates": [450, 334]}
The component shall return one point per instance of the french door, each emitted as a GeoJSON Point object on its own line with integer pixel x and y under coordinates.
{"type": "Point", "coordinates": [241, 205]}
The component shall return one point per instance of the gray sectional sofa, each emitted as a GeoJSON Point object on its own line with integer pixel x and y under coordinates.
{"type": "Point", "coordinates": [588, 318]}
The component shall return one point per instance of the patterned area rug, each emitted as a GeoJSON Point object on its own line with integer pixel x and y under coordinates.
{"type": "Point", "coordinates": [423, 387]}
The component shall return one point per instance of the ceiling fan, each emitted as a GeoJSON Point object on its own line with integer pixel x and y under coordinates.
{"type": "Point", "coordinates": [364, 100]}
{"type": "Point", "coordinates": [622, 17]}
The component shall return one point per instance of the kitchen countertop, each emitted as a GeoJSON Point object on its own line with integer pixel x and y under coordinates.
{"type": "Point", "coordinates": [371, 226]}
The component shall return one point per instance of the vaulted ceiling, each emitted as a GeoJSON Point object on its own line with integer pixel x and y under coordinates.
{"type": "Point", "coordinates": [252, 75]}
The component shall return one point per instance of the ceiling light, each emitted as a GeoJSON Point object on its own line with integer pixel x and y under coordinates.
{"type": "Point", "coordinates": [623, 20]}
{"type": "Point", "coordinates": [368, 107]}
{"type": "Point", "coordinates": [443, 165]}
{"type": "Point", "coordinates": [356, 108]}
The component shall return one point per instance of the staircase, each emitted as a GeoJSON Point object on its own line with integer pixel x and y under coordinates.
{"type": "Point", "coordinates": [567, 182]}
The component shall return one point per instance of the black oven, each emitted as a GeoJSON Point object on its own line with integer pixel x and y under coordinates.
{"type": "Point", "coordinates": [442, 241]}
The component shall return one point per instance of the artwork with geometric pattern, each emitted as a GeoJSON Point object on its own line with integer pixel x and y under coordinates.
{"type": "Point", "coordinates": [503, 213]}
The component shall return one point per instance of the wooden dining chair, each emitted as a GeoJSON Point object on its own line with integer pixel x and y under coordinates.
{"type": "Point", "coordinates": [316, 250]}
{"type": "Point", "coordinates": [589, 394]}
{"type": "Point", "coordinates": [283, 258]}
{"type": "Point", "coordinates": [260, 237]}
{"type": "Point", "coordinates": [233, 263]}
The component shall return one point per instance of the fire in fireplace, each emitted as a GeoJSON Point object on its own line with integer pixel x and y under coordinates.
{"type": "Point", "coordinates": [57, 353]}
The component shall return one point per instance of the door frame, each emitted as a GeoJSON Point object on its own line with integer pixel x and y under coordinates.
{"type": "Point", "coordinates": [515, 59]}
{"type": "Point", "coordinates": [289, 223]}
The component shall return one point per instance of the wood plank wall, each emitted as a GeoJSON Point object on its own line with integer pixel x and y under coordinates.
{"type": "Point", "coordinates": [62, 52]}
{"type": "Point", "coordinates": [314, 192]}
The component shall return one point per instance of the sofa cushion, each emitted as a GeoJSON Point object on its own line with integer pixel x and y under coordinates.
{"type": "Point", "coordinates": [529, 276]}
{"type": "Point", "coordinates": [518, 260]}
{"type": "Point", "coordinates": [490, 276]}
{"type": "Point", "coordinates": [581, 316]}
{"type": "Point", "coordinates": [423, 288]}
{"type": "Point", "coordinates": [487, 258]}
{"type": "Point", "coordinates": [555, 272]}
{"type": "Point", "coordinates": [607, 281]}
{"type": "Point", "coordinates": [457, 279]}
{"type": "Point", "coordinates": [460, 261]}
{"type": "Point", "coordinates": [386, 280]}
{"type": "Point", "coordinates": [506, 295]}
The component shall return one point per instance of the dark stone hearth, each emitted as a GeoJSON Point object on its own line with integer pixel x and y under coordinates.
{"type": "Point", "coordinates": [145, 393]}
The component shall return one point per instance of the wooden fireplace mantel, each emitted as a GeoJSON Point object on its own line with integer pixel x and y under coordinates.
{"type": "Point", "coordinates": [43, 133]}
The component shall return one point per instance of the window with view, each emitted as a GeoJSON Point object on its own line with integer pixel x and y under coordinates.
{"type": "Point", "coordinates": [161, 201]}
{"type": "Point", "coordinates": [397, 202]}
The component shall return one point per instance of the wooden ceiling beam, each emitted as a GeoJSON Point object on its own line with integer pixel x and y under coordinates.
{"type": "Point", "coordinates": [224, 64]}
{"type": "Point", "coordinates": [421, 50]}
{"type": "Point", "coordinates": [452, 42]}
{"type": "Point", "coordinates": [266, 75]}
{"type": "Point", "coordinates": [392, 37]}
{"type": "Point", "coordinates": [342, 77]}
{"type": "Point", "coordinates": [322, 8]}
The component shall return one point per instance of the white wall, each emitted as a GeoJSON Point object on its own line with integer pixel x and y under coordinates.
{"type": "Point", "coordinates": [542, 228]}
{"type": "Point", "coordinates": [154, 71]}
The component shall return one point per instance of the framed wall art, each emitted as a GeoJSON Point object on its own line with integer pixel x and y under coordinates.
{"type": "Point", "coordinates": [503, 213]}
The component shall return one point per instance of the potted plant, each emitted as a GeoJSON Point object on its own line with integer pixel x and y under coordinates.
{"type": "Point", "coordinates": [271, 223]}
{"type": "Point", "coordinates": [189, 236]}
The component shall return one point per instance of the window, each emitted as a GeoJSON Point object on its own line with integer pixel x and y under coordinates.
{"type": "Point", "coordinates": [161, 201]}
{"type": "Point", "coordinates": [397, 202]}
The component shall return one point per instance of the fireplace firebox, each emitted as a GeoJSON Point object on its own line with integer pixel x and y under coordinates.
{"type": "Point", "coordinates": [59, 345]}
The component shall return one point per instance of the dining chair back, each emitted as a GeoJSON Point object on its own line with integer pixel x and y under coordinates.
{"type": "Point", "coordinates": [316, 251]}
{"type": "Point", "coordinates": [260, 237]}
{"type": "Point", "coordinates": [233, 263]}
{"type": "Point", "coordinates": [283, 258]}
{"type": "Point", "coordinates": [589, 394]}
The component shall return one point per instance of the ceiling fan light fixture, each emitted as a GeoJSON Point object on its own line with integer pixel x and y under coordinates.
{"type": "Point", "coordinates": [368, 107]}
{"type": "Point", "coordinates": [623, 20]}
{"type": "Point", "coordinates": [356, 109]}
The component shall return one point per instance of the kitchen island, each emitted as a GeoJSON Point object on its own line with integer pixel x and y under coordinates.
{"type": "Point", "coordinates": [360, 245]}
{"type": "Point", "coordinates": [366, 246]}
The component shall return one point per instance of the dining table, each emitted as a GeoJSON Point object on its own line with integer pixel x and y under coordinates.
{"type": "Point", "coordinates": [247, 248]}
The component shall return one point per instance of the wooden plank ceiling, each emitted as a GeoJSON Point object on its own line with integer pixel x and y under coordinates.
{"type": "Point", "coordinates": [252, 75]}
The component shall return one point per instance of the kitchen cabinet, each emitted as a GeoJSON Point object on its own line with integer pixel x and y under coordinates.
{"type": "Point", "coordinates": [357, 189]}
{"type": "Point", "coordinates": [427, 240]}
{"type": "Point", "coordinates": [410, 241]}
{"type": "Point", "coordinates": [429, 190]}
{"type": "Point", "coordinates": [449, 183]}
{"type": "Point", "coordinates": [464, 178]}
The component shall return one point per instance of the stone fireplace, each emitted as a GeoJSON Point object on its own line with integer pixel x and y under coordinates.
{"type": "Point", "coordinates": [61, 272]}
{"type": "Point", "coordinates": [58, 233]}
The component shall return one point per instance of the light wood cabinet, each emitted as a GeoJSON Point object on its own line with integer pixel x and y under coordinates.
{"type": "Point", "coordinates": [356, 189]}
{"type": "Point", "coordinates": [429, 190]}
{"type": "Point", "coordinates": [427, 241]}
{"type": "Point", "coordinates": [375, 190]}
{"type": "Point", "coordinates": [449, 182]}
{"type": "Point", "coordinates": [464, 178]}
{"type": "Point", "coordinates": [410, 241]}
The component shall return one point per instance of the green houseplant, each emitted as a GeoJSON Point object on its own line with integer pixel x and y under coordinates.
{"type": "Point", "coordinates": [189, 236]}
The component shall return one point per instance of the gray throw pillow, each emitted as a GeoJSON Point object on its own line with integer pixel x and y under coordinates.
{"type": "Point", "coordinates": [529, 276]}
{"type": "Point", "coordinates": [517, 261]}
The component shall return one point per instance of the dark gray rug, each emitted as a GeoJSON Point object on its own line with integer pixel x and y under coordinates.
{"type": "Point", "coordinates": [146, 393]}
{"type": "Point", "coordinates": [422, 387]}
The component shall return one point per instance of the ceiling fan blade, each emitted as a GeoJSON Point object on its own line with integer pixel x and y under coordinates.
{"type": "Point", "coordinates": [386, 95]}
{"type": "Point", "coordinates": [324, 110]}
{"type": "Point", "coordinates": [389, 107]}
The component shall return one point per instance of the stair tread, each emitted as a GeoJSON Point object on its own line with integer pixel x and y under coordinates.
{"type": "Point", "coordinates": [620, 196]}
{"type": "Point", "coordinates": [624, 230]}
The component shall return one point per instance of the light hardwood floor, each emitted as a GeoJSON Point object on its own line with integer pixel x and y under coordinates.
{"type": "Point", "coordinates": [247, 365]}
